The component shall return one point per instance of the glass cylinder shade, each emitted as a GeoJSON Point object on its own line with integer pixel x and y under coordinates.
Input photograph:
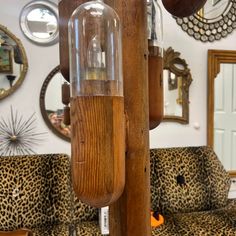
{"type": "Point", "coordinates": [155, 26]}
{"type": "Point", "coordinates": [95, 51]}
{"type": "Point", "coordinates": [155, 63]}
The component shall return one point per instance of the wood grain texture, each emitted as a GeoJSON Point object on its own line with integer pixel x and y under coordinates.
{"type": "Point", "coordinates": [215, 58]}
{"type": "Point", "coordinates": [130, 215]}
{"type": "Point", "coordinates": [19, 232]}
{"type": "Point", "coordinates": [98, 148]}
{"type": "Point", "coordinates": [155, 87]}
{"type": "Point", "coordinates": [183, 8]}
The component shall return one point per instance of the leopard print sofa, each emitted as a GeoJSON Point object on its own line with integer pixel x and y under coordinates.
{"type": "Point", "coordinates": [36, 193]}
{"type": "Point", "coordinates": [189, 186]}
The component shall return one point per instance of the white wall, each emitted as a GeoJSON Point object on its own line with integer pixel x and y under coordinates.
{"type": "Point", "coordinates": [195, 54]}
{"type": "Point", "coordinates": [43, 59]}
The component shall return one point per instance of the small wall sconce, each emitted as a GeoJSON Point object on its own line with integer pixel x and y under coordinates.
{"type": "Point", "coordinates": [97, 104]}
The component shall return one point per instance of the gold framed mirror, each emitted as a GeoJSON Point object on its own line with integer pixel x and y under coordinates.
{"type": "Point", "coordinates": [221, 111]}
{"type": "Point", "coordinates": [13, 62]}
{"type": "Point", "coordinates": [176, 81]}
{"type": "Point", "coordinates": [214, 21]}
{"type": "Point", "coordinates": [51, 105]}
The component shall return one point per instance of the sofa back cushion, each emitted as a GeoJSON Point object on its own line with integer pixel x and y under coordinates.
{"type": "Point", "coordinates": [35, 190]}
{"type": "Point", "coordinates": [187, 179]}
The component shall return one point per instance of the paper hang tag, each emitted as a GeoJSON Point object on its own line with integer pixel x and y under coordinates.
{"type": "Point", "coordinates": [104, 220]}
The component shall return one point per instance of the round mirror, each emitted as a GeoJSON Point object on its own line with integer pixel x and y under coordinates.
{"type": "Point", "coordinates": [212, 10]}
{"type": "Point", "coordinates": [51, 104]}
{"type": "Point", "coordinates": [214, 21]}
{"type": "Point", "coordinates": [39, 22]}
{"type": "Point", "coordinates": [13, 62]}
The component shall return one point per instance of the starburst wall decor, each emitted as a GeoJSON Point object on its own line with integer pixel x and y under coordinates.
{"type": "Point", "coordinates": [18, 135]}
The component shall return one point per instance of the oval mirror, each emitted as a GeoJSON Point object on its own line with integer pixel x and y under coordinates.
{"type": "Point", "coordinates": [176, 81]}
{"type": "Point", "coordinates": [51, 104]}
{"type": "Point", "coordinates": [39, 22]}
{"type": "Point", "coordinates": [13, 62]}
{"type": "Point", "coordinates": [214, 21]}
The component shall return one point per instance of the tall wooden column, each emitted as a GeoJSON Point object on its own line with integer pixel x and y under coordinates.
{"type": "Point", "coordinates": [130, 215]}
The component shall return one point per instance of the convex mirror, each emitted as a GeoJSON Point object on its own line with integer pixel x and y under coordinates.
{"type": "Point", "coordinates": [51, 104]}
{"type": "Point", "coordinates": [214, 21]}
{"type": "Point", "coordinates": [39, 22]}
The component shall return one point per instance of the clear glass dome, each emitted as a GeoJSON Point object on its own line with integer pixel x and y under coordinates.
{"type": "Point", "coordinates": [155, 25]}
{"type": "Point", "coordinates": [95, 51]}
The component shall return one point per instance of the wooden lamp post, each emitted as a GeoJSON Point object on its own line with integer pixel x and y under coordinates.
{"type": "Point", "coordinates": [130, 215]}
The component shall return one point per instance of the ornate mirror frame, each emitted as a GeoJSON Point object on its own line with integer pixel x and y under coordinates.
{"type": "Point", "coordinates": [171, 59]}
{"type": "Point", "coordinates": [215, 58]}
{"type": "Point", "coordinates": [43, 105]}
{"type": "Point", "coordinates": [52, 7]}
{"type": "Point", "coordinates": [205, 31]}
{"type": "Point", "coordinates": [24, 65]}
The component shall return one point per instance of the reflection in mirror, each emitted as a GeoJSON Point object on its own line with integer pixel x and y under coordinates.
{"type": "Point", "coordinates": [51, 104]}
{"type": "Point", "coordinates": [222, 106]}
{"type": "Point", "coordinates": [13, 62]}
{"type": "Point", "coordinates": [213, 10]}
{"type": "Point", "coordinates": [215, 20]}
{"type": "Point", "coordinates": [39, 22]}
{"type": "Point", "coordinates": [177, 79]}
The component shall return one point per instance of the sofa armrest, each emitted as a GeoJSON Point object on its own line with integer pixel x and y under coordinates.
{"type": "Point", "coordinates": [19, 232]}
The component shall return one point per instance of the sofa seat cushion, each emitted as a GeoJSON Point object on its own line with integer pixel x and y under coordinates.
{"type": "Point", "coordinates": [206, 223]}
{"type": "Point", "coordinates": [166, 229]}
{"type": "Point", "coordinates": [83, 212]}
{"type": "Point", "coordinates": [53, 230]}
{"type": "Point", "coordinates": [88, 228]}
{"type": "Point", "coordinates": [187, 179]}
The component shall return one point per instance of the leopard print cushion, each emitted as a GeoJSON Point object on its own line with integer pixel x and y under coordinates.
{"type": "Point", "coordinates": [26, 188]}
{"type": "Point", "coordinates": [88, 228]}
{"type": "Point", "coordinates": [53, 230]}
{"type": "Point", "coordinates": [206, 182]}
{"type": "Point", "coordinates": [166, 229]}
{"type": "Point", "coordinates": [207, 223]}
{"type": "Point", "coordinates": [37, 189]}
{"type": "Point", "coordinates": [84, 212]}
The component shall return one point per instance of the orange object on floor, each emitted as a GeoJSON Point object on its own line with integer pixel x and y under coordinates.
{"type": "Point", "coordinates": [155, 222]}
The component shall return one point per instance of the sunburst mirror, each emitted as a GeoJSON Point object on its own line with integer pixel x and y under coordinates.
{"type": "Point", "coordinates": [214, 21]}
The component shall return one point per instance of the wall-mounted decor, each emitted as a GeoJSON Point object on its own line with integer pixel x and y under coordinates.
{"type": "Point", "coordinates": [176, 79]}
{"type": "Point", "coordinates": [221, 114]}
{"type": "Point", "coordinates": [214, 21]}
{"type": "Point", "coordinates": [5, 61]}
{"type": "Point", "coordinates": [51, 104]}
{"type": "Point", "coordinates": [184, 7]}
{"type": "Point", "coordinates": [13, 62]}
{"type": "Point", "coordinates": [19, 135]}
{"type": "Point", "coordinates": [155, 63]}
{"type": "Point", "coordinates": [39, 22]}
